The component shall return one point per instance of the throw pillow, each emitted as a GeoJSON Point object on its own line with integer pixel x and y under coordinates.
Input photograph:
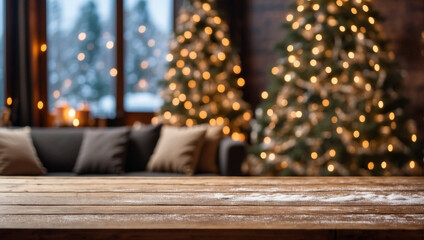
{"type": "Point", "coordinates": [178, 150]}
{"type": "Point", "coordinates": [141, 144]}
{"type": "Point", "coordinates": [102, 151]}
{"type": "Point", "coordinates": [17, 153]}
{"type": "Point", "coordinates": [207, 161]}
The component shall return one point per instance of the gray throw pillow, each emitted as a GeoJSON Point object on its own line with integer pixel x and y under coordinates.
{"type": "Point", "coordinates": [17, 153]}
{"type": "Point", "coordinates": [103, 151]}
{"type": "Point", "coordinates": [141, 144]}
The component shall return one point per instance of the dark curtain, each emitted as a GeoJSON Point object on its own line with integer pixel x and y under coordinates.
{"type": "Point", "coordinates": [18, 78]}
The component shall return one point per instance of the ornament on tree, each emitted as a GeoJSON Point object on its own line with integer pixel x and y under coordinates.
{"type": "Point", "coordinates": [333, 106]}
{"type": "Point", "coordinates": [203, 82]}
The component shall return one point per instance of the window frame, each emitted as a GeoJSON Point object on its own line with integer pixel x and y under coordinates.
{"type": "Point", "coordinates": [34, 14]}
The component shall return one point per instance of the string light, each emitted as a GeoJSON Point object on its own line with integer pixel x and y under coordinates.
{"type": "Point", "coordinates": [9, 101]}
{"type": "Point", "coordinates": [82, 36]}
{"type": "Point", "coordinates": [208, 30]}
{"type": "Point", "coordinates": [113, 72]}
{"type": "Point", "coordinates": [290, 48]}
{"type": "Point", "coordinates": [345, 65]}
{"type": "Point", "coordinates": [221, 88]}
{"type": "Point", "coordinates": [40, 105]}
{"type": "Point", "coordinates": [380, 104]}
{"type": "Point", "coordinates": [193, 55]}
{"type": "Point", "coordinates": [328, 69]}
{"type": "Point", "coordinates": [206, 75]}
{"type": "Point", "coordinates": [383, 165]}
{"type": "Point", "coordinates": [414, 138]}
{"type": "Point", "coordinates": [325, 102]}
{"type": "Point", "coordinates": [289, 17]}
{"type": "Point", "coordinates": [109, 44]}
{"type": "Point", "coordinates": [274, 70]}
{"type": "Point", "coordinates": [226, 130]}
{"type": "Point", "coordinates": [287, 77]}
{"type": "Point", "coordinates": [237, 69]}
{"type": "Point", "coordinates": [308, 27]}
{"type": "Point", "coordinates": [241, 82]}
{"type": "Point", "coordinates": [314, 155]}
{"type": "Point", "coordinates": [269, 112]}
{"type": "Point", "coordinates": [56, 94]}
{"type": "Point", "coordinates": [43, 47]}
{"type": "Point", "coordinates": [225, 42]}
{"type": "Point", "coordinates": [412, 164]}
{"type": "Point", "coordinates": [370, 166]}
{"type": "Point", "coordinates": [365, 8]}
{"type": "Point", "coordinates": [330, 167]}
{"type": "Point", "coordinates": [81, 57]}
{"type": "Point", "coordinates": [300, 8]}
{"type": "Point", "coordinates": [264, 95]}
{"type": "Point", "coordinates": [203, 114]}
{"type": "Point", "coordinates": [365, 144]}
{"type": "Point", "coordinates": [75, 122]}
{"type": "Point", "coordinates": [151, 43]}
{"type": "Point", "coordinates": [375, 48]}
{"type": "Point", "coordinates": [356, 134]}
{"type": "Point", "coordinates": [206, 7]}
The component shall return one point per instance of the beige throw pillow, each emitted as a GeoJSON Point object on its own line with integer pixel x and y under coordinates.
{"type": "Point", "coordinates": [207, 161]}
{"type": "Point", "coordinates": [177, 150]}
{"type": "Point", "coordinates": [17, 153]}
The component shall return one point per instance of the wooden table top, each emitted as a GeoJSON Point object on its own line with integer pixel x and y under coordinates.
{"type": "Point", "coordinates": [212, 203]}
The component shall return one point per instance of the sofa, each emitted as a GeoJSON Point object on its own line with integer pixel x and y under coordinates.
{"type": "Point", "coordinates": [58, 150]}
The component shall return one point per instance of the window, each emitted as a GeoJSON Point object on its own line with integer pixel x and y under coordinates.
{"type": "Point", "coordinates": [82, 54]}
{"type": "Point", "coordinates": [2, 52]}
{"type": "Point", "coordinates": [81, 58]}
{"type": "Point", "coordinates": [147, 29]}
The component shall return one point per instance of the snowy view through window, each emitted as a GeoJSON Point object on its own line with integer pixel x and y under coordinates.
{"type": "Point", "coordinates": [2, 53]}
{"type": "Point", "coordinates": [81, 39]}
{"type": "Point", "coordinates": [81, 54]}
{"type": "Point", "coordinates": [147, 29]}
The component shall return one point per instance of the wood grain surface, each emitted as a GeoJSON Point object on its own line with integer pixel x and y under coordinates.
{"type": "Point", "coordinates": [211, 208]}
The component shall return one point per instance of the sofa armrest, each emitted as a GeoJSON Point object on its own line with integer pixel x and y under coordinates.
{"type": "Point", "coordinates": [231, 156]}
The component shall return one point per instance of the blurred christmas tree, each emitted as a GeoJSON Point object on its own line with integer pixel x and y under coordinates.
{"type": "Point", "coordinates": [334, 106]}
{"type": "Point", "coordinates": [203, 81]}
